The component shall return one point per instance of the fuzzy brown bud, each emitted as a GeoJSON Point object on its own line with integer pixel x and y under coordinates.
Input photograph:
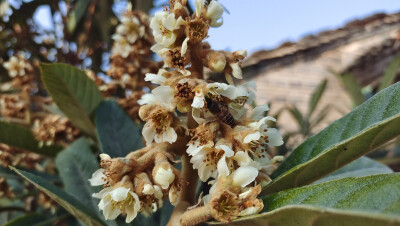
{"type": "Point", "coordinates": [216, 61]}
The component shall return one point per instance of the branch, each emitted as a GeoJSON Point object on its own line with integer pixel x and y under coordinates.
{"type": "Point", "coordinates": [187, 197]}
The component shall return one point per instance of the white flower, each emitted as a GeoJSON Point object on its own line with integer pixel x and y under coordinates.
{"type": "Point", "coordinates": [121, 46]}
{"type": "Point", "coordinates": [210, 161]}
{"type": "Point", "coordinates": [161, 95]}
{"type": "Point", "coordinates": [269, 136]}
{"type": "Point", "coordinates": [131, 28]}
{"type": "Point", "coordinates": [159, 131]}
{"type": "Point", "coordinates": [17, 65]}
{"type": "Point", "coordinates": [164, 24]}
{"type": "Point", "coordinates": [214, 12]}
{"type": "Point", "coordinates": [164, 177]}
{"type": "Point", "coordinates": [261, 136]}
{"type": "Point", "coordinates": [116, 201]}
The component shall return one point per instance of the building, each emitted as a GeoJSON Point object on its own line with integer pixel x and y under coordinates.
{"type": "Point", "coordinates": [288, 74]}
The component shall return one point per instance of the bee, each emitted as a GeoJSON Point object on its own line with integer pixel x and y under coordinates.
{"type": "Point", "coordinates": [221, 110]}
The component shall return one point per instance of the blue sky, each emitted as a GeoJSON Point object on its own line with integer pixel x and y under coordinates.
{"type": "Point", "coordinates": [264, 24]}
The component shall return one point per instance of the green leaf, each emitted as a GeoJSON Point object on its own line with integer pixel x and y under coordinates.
{"type": "Point", "coordinates": [74, 93]}
{"type": "Point", "coordinates": [363, 166]}
{"type": "Point", "coordinates": [316, 96]}
{"type": "Point", "coordinates": [71, 204]}
{"type": "Point", "coordinates": [76, 165]}
{"type": "Point", "coordinates": [23, 138]}
{"type": "Point", "coordinates": [27, 219]}
{"type": "Point", "coordinates": [76, 14]}
{"type": "Point", "coordinates": [365, 128]}
{"type": "Point", "coordinates": [390, 73]}
{"type": "Point", "coordinates": [295, 112]}
{"type": "Point", "coordinates": [299, 215]}
{"type": "Point", "coordinates": [117, 133]}
{"type": "Point", "coordinates": [376, 193]}
{"type": "Point", "coordinates": [352, 87]}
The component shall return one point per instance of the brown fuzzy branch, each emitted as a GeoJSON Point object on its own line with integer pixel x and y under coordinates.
{"type": "Point", "coordinates": [187, 195]}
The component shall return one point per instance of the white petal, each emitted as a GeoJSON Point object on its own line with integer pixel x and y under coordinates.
{"type": "Point", "coordinates": [170, 135]}
{"type": "Point", "coordinates": [214, 10]}
{"type": "Point", "coordinates": [148, 132]}
{"type": "Point", "coordinates": [111, 213]}
{"type": "Point", "coordinates": [193, 150]}
{"type": "Point", "coordinates": [259, 111]}
{"type": "Point", "coordinates": [199, 4]}
{"type": "Point", "coordinates": [155, 78]}
{"type": "Point", "coordinates": [184, 46]}
{"type": "Point", "coordinates": [205, 171]}
{"type": "Point", "coordinates": [185, 72]}
{"type": "Point", "coordinates": [252, 136]}
{"type": "Point", "coordinates": [275, 139]}
{"type": "Point", "coordinates": [242, 158]}
{"type": "Point", "coordinates": [101, 193]}
{"type": "Point", "coordinates": [131, 213]}
{"type": "Point", "coordinates": [222, 167]}
{"type": "Point", "coordinates": [169, 22]}
{"type": "Point", "coordinates": [198, 100]}
{"type": "Point", "coordinates": [158, 192]}
{"type": "Point", "coordinates": [250, 211]}
{"type": "Point", "coordinates": [224, 89]}
{"type": "Point", "coordinates": [147, 98]}
{"type": "Point", "coordinates": [244, 175]}
{"type": "Point", "coordinates": [105, 157]}
{"type": "Point", "coordinates": [97, 178]}
{"type": "Point", "coordinates": [119, 194]}
{"type": "Point", "coordinates": [264, 121]}
{"type": "Point", "coordinates": [165, 96]}
{"type": "Point", "coordinates": [236, 70]}
{"type": "Point", "coordinates": [228, 151]}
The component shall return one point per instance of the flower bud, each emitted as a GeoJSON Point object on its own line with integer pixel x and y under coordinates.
{"type": "Point", "coordinates": [158, 192]}
{"type": "Point", "coordinates": [173, 195]}
{"type": "Point", "coordinates": [148, 189]}
{"type": "Point", "coordinates": [216, 61]}
{"type": "Point", "coordinates": [163, 174]}
{"type": "Point", "coordinates": [214, 10]}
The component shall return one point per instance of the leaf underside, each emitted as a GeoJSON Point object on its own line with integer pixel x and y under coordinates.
{"type": "Point", "coordinates": [71, 204]}
{"type": "Point", "coordinates": [117, 133]}
{"type": "Point", "coordinates": [74, 93]}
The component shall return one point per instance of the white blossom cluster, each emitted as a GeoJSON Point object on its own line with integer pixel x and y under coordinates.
{"type": "Point", "coordinates": [225, 141]}
{"type": "Point", "coordinates": [17, 65]}
{"type": "Point", "coordinates": [127, 32]}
